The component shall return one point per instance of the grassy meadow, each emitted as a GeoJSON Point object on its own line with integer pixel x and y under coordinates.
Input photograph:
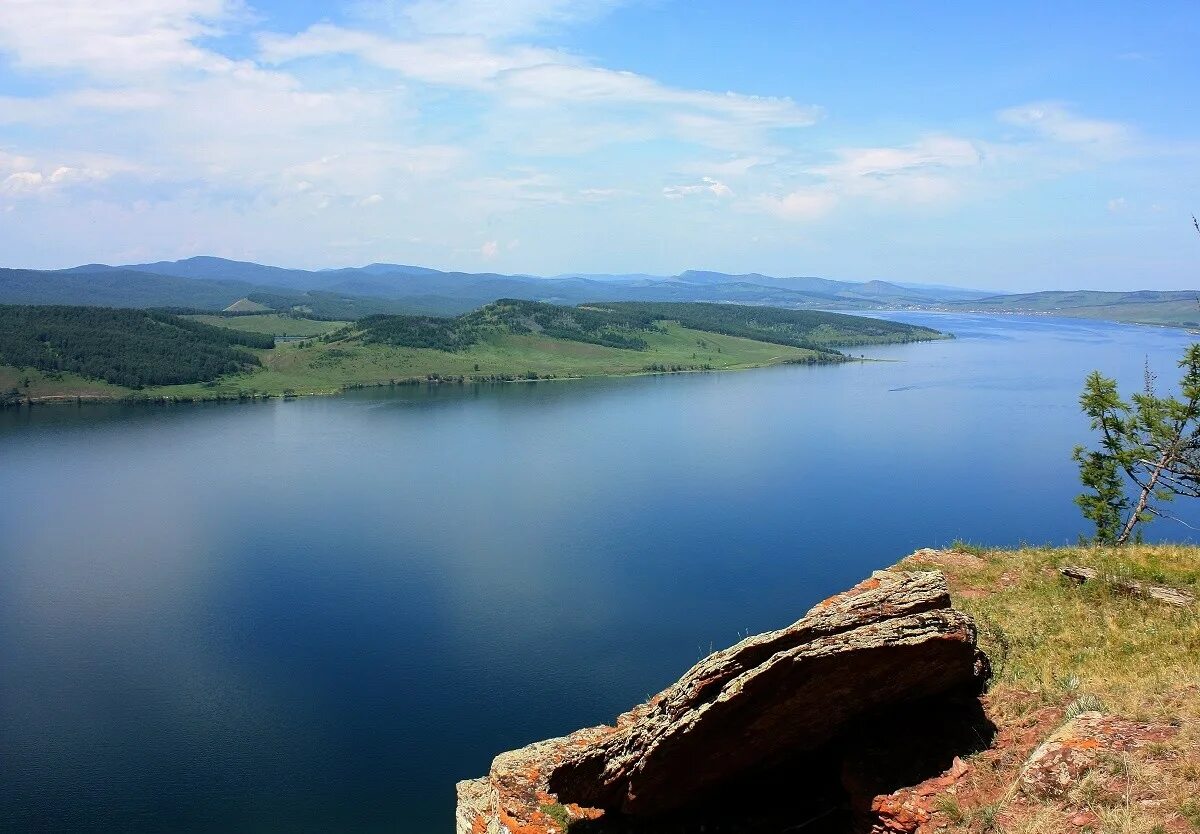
{"type": "Point", "coordinates": [50, 386]}
{"type": "Point", "coordinates": [272, 324]}
{"type": "Point", "coordinates": [1058, 648]}
{"type": "Point", "coordinates": [202, 356]}
{"type": "Point", "coordinates": [315, 367]}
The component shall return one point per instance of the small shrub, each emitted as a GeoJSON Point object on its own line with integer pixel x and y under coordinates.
{"type": "Point", "coordinates": [558, 813]}
{"type": "Point", "coordinates": [1084, 703]}
{"type": "Point", "coordinates": [949, 807]}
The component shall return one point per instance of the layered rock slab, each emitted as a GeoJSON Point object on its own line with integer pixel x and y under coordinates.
{"type": "Point", "coordinates": [890, 640]}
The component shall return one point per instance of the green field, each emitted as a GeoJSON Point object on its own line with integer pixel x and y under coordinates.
{"type": "Point", "coordinates": [318, 368]}
{"type": "Point", "coordinates": [221, 357]}
{"type": "Point", "coordinates": [49, 386]}
{"type": "Point", "coordinates": [273, 324]}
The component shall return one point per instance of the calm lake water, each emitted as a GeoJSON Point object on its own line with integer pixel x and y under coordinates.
{"type": "Point", "coordinates": [318, 615]}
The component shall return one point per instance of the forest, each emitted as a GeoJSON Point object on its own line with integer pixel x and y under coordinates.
{"type": "Point", "coordinates": [812, 329]}
{"type": "Point", "coordinates": [611, 328]}
{"type": "Point", "coordinates": [133, 348]}
{"type": "Point", "coordinates": [619, 325]}
{"type": "Point", "coordinates": [434, 332]}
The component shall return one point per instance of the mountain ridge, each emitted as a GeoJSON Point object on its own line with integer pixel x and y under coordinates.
{"type": "Point", "coordinates": [207, 282]}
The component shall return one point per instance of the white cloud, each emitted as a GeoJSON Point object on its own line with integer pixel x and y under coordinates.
{"type": "Point", "coordinates": [125, 39]}
{"type": "Point", "coordinates": [1117, 204]}
{"type": "Point", "coordinates": [721, 120]}
{"type": "Point", "coordinates": [737, 166]}
{"type": "Point", "coordinates": [499, 20]}
{"type": "Point", "coordinates": [456, 61]}
{"type": "Point", "coordinates": [595, 104]}
{"type": "Point", "coordinates": [802, 204]}
{"type": "Point", "coordinates": [23, 176]}
{"type": "Point", "coordinates": [448, 119]}
{"type": "Point", "coordinates": [1056, 122]}
{"type": "Point", "coordinates": [707, 186]}
{"type": "Point", "coordinates": [595, 195]}
{"type": "Point", "coordinates": [930, 170]}
{"type": "Point", "coordinates": [930, 153]}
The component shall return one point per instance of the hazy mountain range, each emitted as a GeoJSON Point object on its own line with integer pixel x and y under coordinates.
{"type": "Point", "coordinates": [208, 283]}
{"type": "Point", "coordinates": [215, 283]}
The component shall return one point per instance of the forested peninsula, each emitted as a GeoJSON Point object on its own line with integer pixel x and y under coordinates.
{"type": "Point", "coordinates": [65, 353]}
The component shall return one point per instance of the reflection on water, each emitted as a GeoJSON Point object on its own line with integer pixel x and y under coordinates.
{"type": "Point", "coordinates": [318, 614]}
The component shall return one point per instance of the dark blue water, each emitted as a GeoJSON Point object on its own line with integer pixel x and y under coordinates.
{"type": "Point", "coordinates": [318, 615]}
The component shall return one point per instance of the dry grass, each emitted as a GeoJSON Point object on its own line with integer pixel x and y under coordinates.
{"type": "Point", "coordinates": [1060, 648]}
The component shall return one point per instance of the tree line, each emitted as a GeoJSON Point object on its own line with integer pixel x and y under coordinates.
{"type": "Point", "coordinates": [811, 329]}
{"type": "Point", "coordinates": [132, 348]}
{"type": "Point", "coordinates": [601, 327]}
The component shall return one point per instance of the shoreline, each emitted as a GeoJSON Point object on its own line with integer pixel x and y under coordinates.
{"type": "Point", "coordinates": [429, 380]}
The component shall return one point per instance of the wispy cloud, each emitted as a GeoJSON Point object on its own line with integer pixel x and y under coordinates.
{"type": "Point", "coordinates": [116, 41]}
{"type": "Point", "coordinates": [537, 81]}
{"type": "Point", "coordinates": [1055, 121]}
{"type": "Point", "coordinates": [708, 185]}
{"type": "Point", "coordinates": [804, 204]}
{"type": "Point", "coordinates": [495, 20]}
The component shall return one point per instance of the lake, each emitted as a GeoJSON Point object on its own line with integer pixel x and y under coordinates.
{"type": "Point", "coordinates": [317, 615]}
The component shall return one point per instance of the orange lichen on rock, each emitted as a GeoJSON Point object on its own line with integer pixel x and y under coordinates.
{"type": "Point", "coordinates": [1066, 756]}
{"type": "Point", "coordinates": [513, 797]}
{"type": "Point", "coordinates": [909, 810]}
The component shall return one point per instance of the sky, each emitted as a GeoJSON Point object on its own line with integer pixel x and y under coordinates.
{"type": "Point", "coordinates": [1013, 146]}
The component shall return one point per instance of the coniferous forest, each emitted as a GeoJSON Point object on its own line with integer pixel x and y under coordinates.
{"type": "Point", "coordinates": [132, 348]}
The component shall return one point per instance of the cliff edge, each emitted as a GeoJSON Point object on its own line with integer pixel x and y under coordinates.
{"type": "Point", "coordinates": [803, 727]}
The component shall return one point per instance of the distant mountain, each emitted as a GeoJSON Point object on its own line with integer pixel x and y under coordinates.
{"type": "Point", "coordinates": [215, 283]}
{"type": "Point", "coordinates": [220, 269]}
{"type": "Point", "coordinates": [1167, 307]}
{"type": "Point", "coordinates": [209, 283]}
{"type": "Point", "coordinates": [607, 277]}
{"type": "Point", "coordinates": [115, 287]}
{"type": "Point", "coordinates": [395, 281]}
{"type": "Point", "coordinates": [402, 269]}
{"type": "Point", "coordinates": [100, 285]}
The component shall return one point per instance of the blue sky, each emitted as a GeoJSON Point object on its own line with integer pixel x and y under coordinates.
{"type": "Point", "coordinates": [1010, 146]}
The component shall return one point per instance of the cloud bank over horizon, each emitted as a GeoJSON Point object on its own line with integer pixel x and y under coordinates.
{"type": "Point", "coordinates": [549, 136]}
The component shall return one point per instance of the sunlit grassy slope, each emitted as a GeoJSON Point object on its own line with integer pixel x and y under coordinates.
{"type": "Point", "coordinates": [503, 341]}
{"type": "Point", "coordinates": [272, 323]}
{"type": "Point", "coordinates": [318, 368]}
{"type": "Point", "coordinates": [48, 386]}
{"type": "Point", "coordinates": [1058, 648]}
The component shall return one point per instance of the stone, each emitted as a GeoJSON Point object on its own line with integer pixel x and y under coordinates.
{"type": "Point", "coordinates": [891, 639]}
{"type": "Point", "coordinates": [781, 697]}
{"type": "Point", "coordinates": [1171, 596]}
{"type": "Point", "coordinates": [1062, 760]}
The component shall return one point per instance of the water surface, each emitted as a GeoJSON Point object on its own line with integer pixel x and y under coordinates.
{"type": "Point", "coordinates": [317, 615]}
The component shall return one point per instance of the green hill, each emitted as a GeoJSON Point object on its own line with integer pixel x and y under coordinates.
{"type": "Point", "coordinates": [811, 329]}
{"type": "Point", "coordinates": [624, 325]}
{"type": "Point", "coordinates": [130, 348]}
{"type": "Point", "coordinates": [116, 288]}
{"type": "Point", "coordinates": [198, 357]}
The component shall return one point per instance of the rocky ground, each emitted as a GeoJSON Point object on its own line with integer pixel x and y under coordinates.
{"type": "Point", "coordinates": [1090, 723]}
{"type": "Point", "coordinates": [1095, 696]}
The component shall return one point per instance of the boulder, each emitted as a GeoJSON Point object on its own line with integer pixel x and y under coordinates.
{"type": "Point", "coordinates": [1061, 762]}
{"type": "Point", "coordinates": [778, 698]}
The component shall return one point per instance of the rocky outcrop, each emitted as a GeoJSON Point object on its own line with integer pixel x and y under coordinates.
{"type": "Point", "coordinates": [774, 701]}
{"type": "Point", "coordinates": [1059, 764]}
